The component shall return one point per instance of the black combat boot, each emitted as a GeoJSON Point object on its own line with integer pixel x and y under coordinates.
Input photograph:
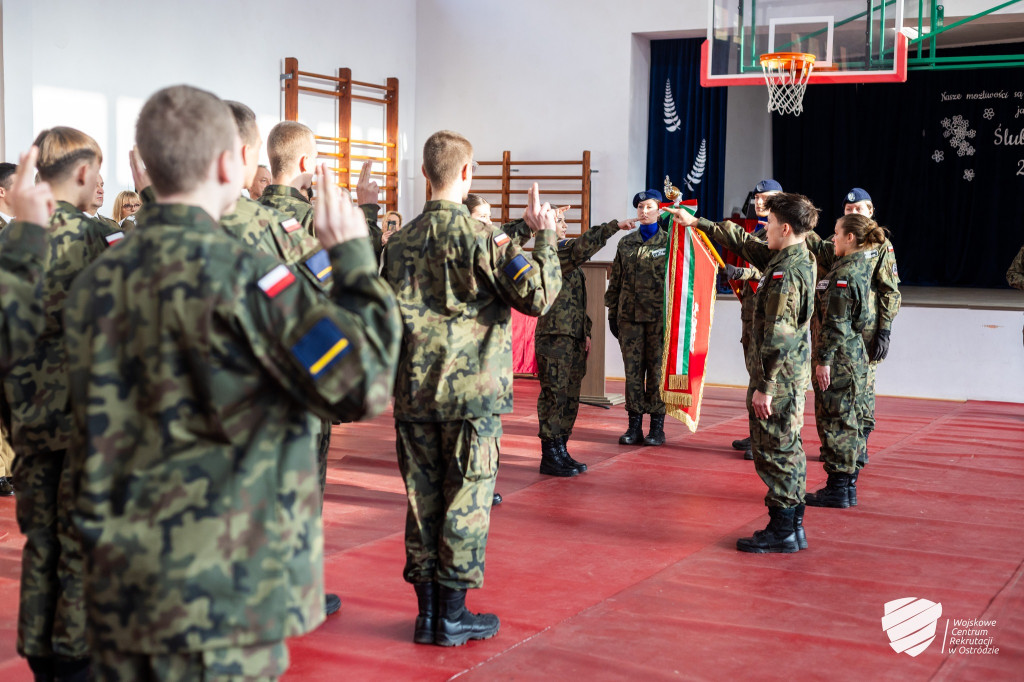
{"type": "Point", "coordinates": [552, 462]}
{"type": "Point", "coordinates": [835, 494]}
{"type": "Point", "coordinates": [851, 491]}
{"type": "Point", "coordinates": [426, 622]}
{"type": "Point", "coordinates": [332, 604]}
{"type": "Point", "coordinates": [798, 526]}
{"type": "Point", "coordinates": [656, 436]}
{"type": "Point", "coordinates": [748, 454]}
{"type": "Point", "coordinates": [456, 625]}
{"type": "Point", "coordinates": [777, 538]}
{"type": "Point", "coordinates": [72, 670]}
{"type": "Point", "coordinates": [579, 466]}
{"type": "Point", "coordinates": [496, 500]}
{"type": "Point", "coordinates": [741, 444]}
{"type": "Point", "coordinates": [634, 435]}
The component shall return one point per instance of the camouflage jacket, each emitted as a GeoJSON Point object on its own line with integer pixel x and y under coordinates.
{"type": "Point", "coordinates": [270, 231]}
{"type": "Point", "coordinates": [568, 315]}
{"type": "Point", "coordinates": [195, 363]}
{"type": "Point", "coordinates": [36, 387]}
{"type": "Point", "coordinates": [750, 274]}
{"type": "Point", "coordinates": [1015, 275]}
{"type": "Point", "coordinates": [292, 202]}
{"type": "Point", "coordinates": [636, 289]}
{"type": "Point", "coordinates": [884, 304]}
{"type": "Point", "coordinates": [371, 211]}
{"type": "Point", "coordinates": [23, 252]}
{"type": "Point", "coordinates": [783, 307]}
{"type": "Point", "coordinates": [3, 223]}
{"type": "Point", "coordinates": [111, 224]}
{"type": "Point", "coordinates": [842, 309]}
{"type": "Point", "coordinates": [457, 280]}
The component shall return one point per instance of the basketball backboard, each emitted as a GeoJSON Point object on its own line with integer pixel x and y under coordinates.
{"type": "Point", "coordinates": [853, 41]}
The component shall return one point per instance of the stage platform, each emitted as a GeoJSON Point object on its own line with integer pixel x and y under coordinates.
{"type": "Point", "coordinates": [630, 572]}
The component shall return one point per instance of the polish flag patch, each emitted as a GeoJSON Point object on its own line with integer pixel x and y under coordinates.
{"type": "Point", "coordinates": [276, 281]}
{"type": "Point", "coordinates": [890, 249]}
{"type": "Point", "coordinates": [778, 275]}
{"type": "Point", "coordinates": [291, 225]}
{"type": "Point", "coordinates": [501, 239]}
{"type": "Point", "coordinates": [841, 283]}
{"type": "Point", "coordinates": [114, 238]}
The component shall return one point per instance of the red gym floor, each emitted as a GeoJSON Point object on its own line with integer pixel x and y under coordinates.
{"type": "Point", "coordinates": [630, 572]}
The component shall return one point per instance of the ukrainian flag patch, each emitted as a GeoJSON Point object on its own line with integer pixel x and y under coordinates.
{"type": "Point", "coordinates": [562, 243]}
{"type": "Point", "coordinates": [321, 347]}
{"type": "Point", "coordinates": [320, 265]}
{"type": "Point", "coordinates": [517, 268]}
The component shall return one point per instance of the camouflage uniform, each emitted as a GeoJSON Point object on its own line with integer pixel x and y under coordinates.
{"type": "Point", "coordinates": [635, 300]}
{"type": "Point", "coordinates": [882, 305]}
{"type": "Point", "coordinates": [561, 336]}
{"type": "Point", "coordinates": [456, 279]}
{"type": "Point", "coordinates": [784, 304]}
{"type": "Point", "coordinates": [370, 212]}
{"type": "Point", "coordinates": [1015, 275]}
{"type": "Point", "coordinates": [842, 311]}
{"type": "Point", "coordinates": [51, 617]}
{"type": "Point", "coordinates": [269, 231]}
{"type": "Point", "coordinates": [290, 201]}
{"type": "Point", "coordinates": [747, 294]}
{"type": "Point", "coordinates": [195, 364]}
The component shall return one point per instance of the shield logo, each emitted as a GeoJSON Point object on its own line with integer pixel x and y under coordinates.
{"type": "Point", "coordinates": [910, 624]}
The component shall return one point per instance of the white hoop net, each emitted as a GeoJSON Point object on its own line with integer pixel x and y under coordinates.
{"type": "Point", "coordinates": [786, 77]}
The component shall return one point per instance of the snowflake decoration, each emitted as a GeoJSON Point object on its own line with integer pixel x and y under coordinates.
{"type": "Point", "coordinates": [968, 175]}
{"type": "Point", "coordinates": [958, 131]}
{"type": "Point", "coordinates": [938, 156]}
{"type": "Point", "coordinates": [989, 114]}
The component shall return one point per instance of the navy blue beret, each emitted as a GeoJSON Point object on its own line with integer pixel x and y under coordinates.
{"type": "Point", "coordinates": [767, 185]}
{"type": "Point", "coordinates": [645, 195]}
{"type": "Point", "coordinates": [854, 195]}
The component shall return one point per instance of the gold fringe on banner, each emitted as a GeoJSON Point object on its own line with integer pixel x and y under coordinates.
{"type": "Point", "coordinates": [678, 382]}
{"type": "Point", "coordinates": [681, 399]}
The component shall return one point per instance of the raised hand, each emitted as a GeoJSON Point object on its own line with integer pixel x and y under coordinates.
{"type": "Point", "coordinates": [367, 189]}
{"type": "Point", "coordinates": [538, 216]}
{"type": "Point", "coordinates": [31, 202]}
{"type": "Point", "coordinates": [336, 219]}
{"type": "Point", "coordinates": [683, 216]}
{"type": "Point", "coordinates": [627, 224]}
{"type": "Point", "coordinates": [139, 174]}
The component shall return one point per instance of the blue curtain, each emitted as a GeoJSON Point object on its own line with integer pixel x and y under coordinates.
{"type": "Point", "coordinates": [686, 126]}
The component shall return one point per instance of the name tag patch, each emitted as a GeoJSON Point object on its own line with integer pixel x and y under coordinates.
{"type": "Point", "coordinates": [658, 252]}
{"type": "Point", "coordinates": [822, 285]}
{"type": "Point", "coordinates": [321, 347]}
{"type": "Point", "coordinates": [291, 225]}
{"type": "Point", "coordinates": [320, 265]}
{"type": "Point", "coordinates": [870, 254]}
{"type": "Point", "coordinates": [276, 281]}
{"type": "Point", "coordinates": [517, 268]}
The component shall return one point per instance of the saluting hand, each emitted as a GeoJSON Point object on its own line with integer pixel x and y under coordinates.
{"type": "Point", "coordinates": [627, 224]}
{"type": "Point", "coordinates": [336, 219]}
{"type": "Point", "coordinates": [139, 174]}
{"type": "Point", "coordinates": [33, 203]}
{"type": "Point", "coordinates": [538, 216]}
{"type": "Point", "coordinates": [367, 189]}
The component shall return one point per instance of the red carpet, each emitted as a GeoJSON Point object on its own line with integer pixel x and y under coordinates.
{"type": "Point", "coordinates": [630, 572]}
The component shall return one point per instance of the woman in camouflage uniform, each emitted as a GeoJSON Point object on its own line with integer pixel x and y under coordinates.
{"type": "Point", "coordinates": [843, 308]}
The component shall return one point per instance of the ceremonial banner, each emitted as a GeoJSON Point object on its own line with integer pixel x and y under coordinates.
{"type": "Point", "coordinates": [689, 310]}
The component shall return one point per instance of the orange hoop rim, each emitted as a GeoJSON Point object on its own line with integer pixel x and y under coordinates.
{"type": "Point", "coordinates": [787, 60]}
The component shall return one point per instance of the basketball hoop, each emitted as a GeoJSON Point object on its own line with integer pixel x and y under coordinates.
{"type": "Point", "coordinates": [786, 74]}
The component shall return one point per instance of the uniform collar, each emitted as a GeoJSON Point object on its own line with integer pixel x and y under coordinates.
{"type": "Point", "coordinates": [442, 205]}
{"type": "Point", "coordinates": [285, 191]}
{"type": "Point", "coordinates": [175, 215]}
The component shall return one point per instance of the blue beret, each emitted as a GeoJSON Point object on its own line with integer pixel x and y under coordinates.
{"type": "Point", "coordinates": [645, 195]}
{"type": "Point", "coordinates": [767, 185]}
{"type": "Point", "coordinates": [854, 195]}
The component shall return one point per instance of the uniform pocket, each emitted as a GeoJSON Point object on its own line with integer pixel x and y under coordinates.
{"type": "Point", "coordinates": [838, 306]}
{"type": "Point", "coordinates": [776, 304]}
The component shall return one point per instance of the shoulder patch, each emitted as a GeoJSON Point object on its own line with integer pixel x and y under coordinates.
{"type": "Point", "coordinates": [890, 249]}
{"type": "Point", "coordinates": [321, 347]}
{"type": "Point", "coordinates": [291, 225]}
{"type": "Point", "coordinates": [822, 285]}
{"type": "Point", "coordinates": [517, 268]}
{"type": "Point", "coordinates": [114, 237]}
{"type": "Point", "coordinates": [842, 284]}
{"type": "Point", "coordinates": [894, 270]}
{"type": "Point", "coordinates": [778, 274]}
{"type": "Point", "coordinates": [501, 239]}
{"type": "Point", "coordinates": [562, 243]}
{"type": "Point", "coordinates": [276, 281]}
{"type": "Point", "coordinates": [870, 254]}
{"type": "Point", "coordinates": [320, 264]}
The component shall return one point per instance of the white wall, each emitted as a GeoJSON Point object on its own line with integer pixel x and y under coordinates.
{"type": "Point", "coordinates": [91, 64]}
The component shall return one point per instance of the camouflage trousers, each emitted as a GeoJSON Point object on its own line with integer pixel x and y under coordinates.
{"type": "Point", "coordinates": [6, 454]}
{"type": "Point", "coordinates": [837, 413]}
{"type": "Point", "coordinates": [561, 364]}
{"type": "Point", "coordinates": [257, 663]}
{"type": "Point", "coordinates": [778, 448]}
{"type": "Point", "coordinates": [323, 447]}
{"type": "Point", "coordinates": [51, 614]}
{"type": "Point", "coordinates": [642, 345]}
{"type": "Point", "coordinates": [750, 355]}
{"type": "Point", "coordinates": [449, 470]}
